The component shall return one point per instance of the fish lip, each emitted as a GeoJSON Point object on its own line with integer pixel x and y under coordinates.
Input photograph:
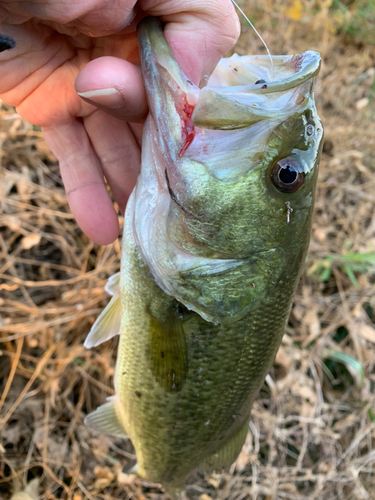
{"type": "Point", "coordinates": [307, 66]}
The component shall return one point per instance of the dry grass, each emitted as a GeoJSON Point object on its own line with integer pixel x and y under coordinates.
{"type": "Point", "coordinates": [313, 424]}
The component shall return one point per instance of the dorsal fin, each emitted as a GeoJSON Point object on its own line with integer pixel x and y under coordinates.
{"type": "Point", "coordinates": [107, 325]}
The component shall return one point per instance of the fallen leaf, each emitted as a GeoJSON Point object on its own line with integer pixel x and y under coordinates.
{"type": "Point", "coordinates": [125, 479]}
{"type": "Point", "coordinates": [29, 493]}
{"type": "Point", "coordinates": [31, 240]}
{"type": "Point", "coordinates": [367, 332]}
{"type": "Point", "coordinates": [295, 12]}
{"type": "Point", "coordinates": [284, 358]}
{"type": "Point", "coordinates": [362, 103]}
{"type": "Point", "coordinates": [204, 496]}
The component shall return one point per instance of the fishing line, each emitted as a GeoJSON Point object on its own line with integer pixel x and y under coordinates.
{"type": "Point", "coordinates": [256, 31]}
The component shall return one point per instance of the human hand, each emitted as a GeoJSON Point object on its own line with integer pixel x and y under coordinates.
{"type": "Point", "coordinates": [90, 47]}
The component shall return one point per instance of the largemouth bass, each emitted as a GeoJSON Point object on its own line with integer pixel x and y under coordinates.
{"type": "Point", "coordinates": [216, 232]}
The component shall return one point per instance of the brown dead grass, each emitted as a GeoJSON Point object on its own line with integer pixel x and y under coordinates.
{"type": "Point", "coordinates": [312, 434]}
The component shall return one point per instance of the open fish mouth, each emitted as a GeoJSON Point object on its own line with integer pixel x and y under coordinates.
{"type": "Point", "coordinates": [251, 88]}
{"type": "Point", "coordinates": [242, 90]}
{"type": "Point", "coordinates": [238, 71]}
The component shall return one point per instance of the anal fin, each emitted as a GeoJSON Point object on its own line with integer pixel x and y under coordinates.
{"type": "Point", "coordinates": [226, 455]}
{"type": "Point", "coordinates": [105, 420]}
{"type": "Point", "coordinates": [107, 324]}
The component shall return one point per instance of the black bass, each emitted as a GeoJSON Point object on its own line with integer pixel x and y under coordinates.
{"type": "Point", "coordinates": [216, 232]}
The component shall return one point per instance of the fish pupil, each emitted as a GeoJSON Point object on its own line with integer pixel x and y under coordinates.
{"type": "Point", "coordinates": [287, 175]}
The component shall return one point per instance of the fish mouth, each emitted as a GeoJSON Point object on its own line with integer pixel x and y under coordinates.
{"type": "Point", "coordinates": [291, 71]}
{"type": "Point", "coordinates": [242, 90]}
{"type": "Point", "coordinates": [245, 90]}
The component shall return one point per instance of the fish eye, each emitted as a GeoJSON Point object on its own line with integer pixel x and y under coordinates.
{"type": "Point", "coordinates": [286, 176]}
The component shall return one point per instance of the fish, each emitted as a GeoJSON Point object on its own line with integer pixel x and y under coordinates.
{"type": "Point", "coordinates": [215, 236]}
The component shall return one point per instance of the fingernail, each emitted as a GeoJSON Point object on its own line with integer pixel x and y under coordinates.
{"type": "Point", "coordinates": [106, 97]}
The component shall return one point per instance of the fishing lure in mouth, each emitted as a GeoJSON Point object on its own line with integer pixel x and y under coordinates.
{"type": "Point", "coordinates": [216, 233]}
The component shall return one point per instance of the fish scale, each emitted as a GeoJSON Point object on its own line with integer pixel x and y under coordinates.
{"type": "Point", "coordinates": [213, 247]}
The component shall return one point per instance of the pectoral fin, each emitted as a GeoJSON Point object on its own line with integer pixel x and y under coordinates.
{"type": "Point", "coordinates": [113, 284]}
{"type": "Point", "coordinates": [167, 351]}
{"type": "Point", "coordinates": [107, 325]}
{"type": "Point", "coordinates": [105, 420]}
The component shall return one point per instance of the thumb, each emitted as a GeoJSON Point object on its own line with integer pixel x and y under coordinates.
{"type": "Point", "coordinates": [199, 33]}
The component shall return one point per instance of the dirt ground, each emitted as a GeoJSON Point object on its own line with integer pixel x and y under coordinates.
{"type": "Point", "coordinates": [312, 433]}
